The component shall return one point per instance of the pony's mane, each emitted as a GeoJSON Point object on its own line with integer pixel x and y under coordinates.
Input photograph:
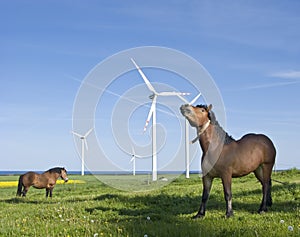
{"type": "Point", "coordinates": [212, 117]}
{"type": "Point", "coordinates": [55, 170]}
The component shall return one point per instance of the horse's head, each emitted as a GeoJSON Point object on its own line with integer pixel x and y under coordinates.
{"type": "Point", "coordinates": [196, 115]}
{"type": "Point", "coordinates": [63, 174]}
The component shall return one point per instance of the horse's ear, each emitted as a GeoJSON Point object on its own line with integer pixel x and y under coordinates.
{"type": "Point", "coordinates": [209, 107]}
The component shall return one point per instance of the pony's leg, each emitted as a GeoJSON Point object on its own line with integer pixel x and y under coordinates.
{"type": "Point", "coordinates": [25, 190]}
{"type": "Point", "coordinates": [263, 174]}
{"type": "Point", "coordinates": [47, 192]}
{"type": "Point", "coordinates": [207, 183]}
{"type": "Point", "coordinates": [51, 189]}
{"type": "Point", "coordinates": [226, 180]}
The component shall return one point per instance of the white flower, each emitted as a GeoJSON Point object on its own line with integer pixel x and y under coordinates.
{"type": "Point", "coordinates": [290, 228]}
{"type": "Point", "coordinates": [145, 235]}
{"type": "Point", "coordinates": [96, 234]}
{"type": "Point", "coordinates": [148, 218]}
{"type": "Point", "coordinates": [281, 221]}
{"type": "Point", "coordinates": [92, 221]}
{"type": "Point", "coordinates": [60, 215]}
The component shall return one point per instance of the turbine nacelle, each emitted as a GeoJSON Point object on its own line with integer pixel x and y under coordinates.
{"type": "Point", "coordinates": [151, 97]}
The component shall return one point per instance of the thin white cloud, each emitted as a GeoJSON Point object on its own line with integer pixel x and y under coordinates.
{"type": "Point", "coordinates": [292, 77]}
{"type": "Point", "coordinates": [290, 74]}
{"type": "Point", "coordinates": [264, 86]}
{"type": "Point", "coordinates": [268, 85]}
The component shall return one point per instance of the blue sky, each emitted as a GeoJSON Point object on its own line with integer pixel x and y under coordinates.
{"type": "Point", "coordinates": [250, 48]}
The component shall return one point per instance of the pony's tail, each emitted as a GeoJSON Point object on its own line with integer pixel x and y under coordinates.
{"type": "Point", "coordinates": [20, 185]}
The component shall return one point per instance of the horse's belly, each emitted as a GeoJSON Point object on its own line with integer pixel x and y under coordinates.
{"type": "Point", "coordinates": [38, 186]}
{"type": "Point", "coordinates": [247, 162]}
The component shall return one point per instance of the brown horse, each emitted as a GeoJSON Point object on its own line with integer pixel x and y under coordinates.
{"type": "Point", "coordinates": [45, 180]}
{"type": "Point", "coordinates": [226, 158]}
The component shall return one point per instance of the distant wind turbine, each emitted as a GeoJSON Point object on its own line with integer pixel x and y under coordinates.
{"type": "Point", "coordinates": [134, 156]}
{"type": "Point", "coordinates": [187, 143]}
{"type": "Point", "coordinates": [83, 143]}
{"type": "Point", "coordinates": [152, 113]}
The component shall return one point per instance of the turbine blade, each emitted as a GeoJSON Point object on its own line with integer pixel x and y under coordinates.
{"type": "Point", "coordinates": [194, 100]}
{"type": "Point", "coordinates": [76, 134]}
{"type": "Point", "coordinates": [88, 133]}
{"type": "Point", "coordinates": [172, 93]}
{"type": "Point", "coordinates": [133, 157]}
{"type": "Point", "coordinates": [183, 99]}
{"type": "Point", "coordinates": [150, 113]}
{"type": "Point", "coordinates": [133, 151]}
{"type": "Point", "coordinates": [150, 87]}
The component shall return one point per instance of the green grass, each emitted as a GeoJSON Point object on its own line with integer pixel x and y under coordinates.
{"type": "Point", "coordinates": [95, 209]}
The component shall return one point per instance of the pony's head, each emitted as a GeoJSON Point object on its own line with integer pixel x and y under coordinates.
{"type": "Point", "coordinates": [196, 115]}
{"type": "Point", "coordinates": [63, 174]}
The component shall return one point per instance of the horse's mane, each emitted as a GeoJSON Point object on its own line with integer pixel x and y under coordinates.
{"type": "Point", "coordinates": [55, 170]}
{"type": "Point", "coordinates": [220, 131]}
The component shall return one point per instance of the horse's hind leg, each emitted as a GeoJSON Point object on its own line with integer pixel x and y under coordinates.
{"type": "Point", "coordinates": [263, 174]}
{"type": "Point", "coordinates": [25, 190]}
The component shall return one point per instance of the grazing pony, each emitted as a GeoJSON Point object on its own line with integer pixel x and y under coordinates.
{"type": "Point", "coordinates": [45, 180]}
{"type": "Point", "coordinates": [226, 158]}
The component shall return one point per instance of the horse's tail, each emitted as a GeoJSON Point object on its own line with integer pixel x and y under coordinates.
{"type": "Point", "coordinates": [20, 185]}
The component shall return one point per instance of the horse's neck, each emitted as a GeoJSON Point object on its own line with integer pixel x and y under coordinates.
{"type": "Point", "coordinates": [56, 175]}
{"type": "Point", "coordinates": [210, 139]}
{"type": "Point", "coordinates": [53, 174]}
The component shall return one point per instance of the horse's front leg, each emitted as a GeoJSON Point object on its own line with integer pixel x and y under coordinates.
{"type": "Point", "coordinates": [51, 189]}
{"type": "Point", "coordinates": [226, 180]}
{"type": "Point", "coordinates": [207, 183]}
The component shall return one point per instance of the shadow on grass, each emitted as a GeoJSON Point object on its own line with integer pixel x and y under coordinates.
{"type": "Point", "coordinates": [18, 200]}
{"type": "Point", "coordinates": [29, 200]}
{"type": "Point", "coordinates": [154, 204]}
{"type": "Point", "coordinates": [285, 198]}
{"type": "Point", "coordinates": [173, 213]}
{"type": "Point", "coordinates": [165, 204]}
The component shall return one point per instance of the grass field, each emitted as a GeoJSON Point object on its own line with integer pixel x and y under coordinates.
{"type": "Point", "coordinates": [91, 208]}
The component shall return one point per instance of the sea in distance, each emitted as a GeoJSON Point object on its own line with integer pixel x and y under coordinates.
{"type": "Point", "coordinates": [19, 172]}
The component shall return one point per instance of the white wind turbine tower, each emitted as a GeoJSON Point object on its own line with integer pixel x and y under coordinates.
{"type": "Point", "coordinates": [152, 113]}
{"type": "Point", "coordinates": [83, 143]}
{"type": "Point", "coordinates": [187, 143]}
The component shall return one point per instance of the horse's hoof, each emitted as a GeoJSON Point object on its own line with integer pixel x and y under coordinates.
{"type": "Point", "coordinates": [229, 214]}
{"type": "Point", "coordinates": [261, 212]}
{"type": "Point", "coordinates": [198, 216]}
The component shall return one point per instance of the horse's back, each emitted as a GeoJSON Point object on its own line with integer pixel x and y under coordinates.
{"type": "Point", "coordinates": [29, 178]}
{"type": "Point", "coordinates": [261, 144]}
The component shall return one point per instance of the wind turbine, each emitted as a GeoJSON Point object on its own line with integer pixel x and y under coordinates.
{"type": "Point", "coordinates": [152, 113]}
{"type": "Point", "coordinates": [134, 156]}
{"type": "Point", "coordinates": [187, 143]}
{"type": "Point", "coordinates": [83, 143]}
